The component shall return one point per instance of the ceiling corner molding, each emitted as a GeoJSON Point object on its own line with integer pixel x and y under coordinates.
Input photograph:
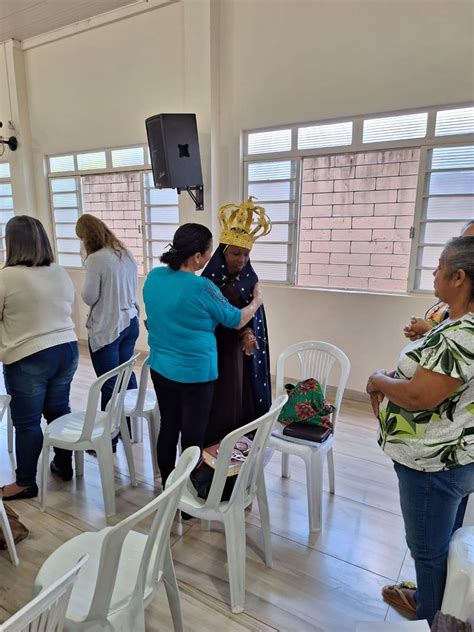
{"type": "Point", "coordinates": [122, 13]}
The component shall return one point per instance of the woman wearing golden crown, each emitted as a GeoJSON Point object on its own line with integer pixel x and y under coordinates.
{"type": "Point", "coordinates": [243, 389]}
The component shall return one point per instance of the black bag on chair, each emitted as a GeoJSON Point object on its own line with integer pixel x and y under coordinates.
{"type": "Point", "coordinates": [201, 478]}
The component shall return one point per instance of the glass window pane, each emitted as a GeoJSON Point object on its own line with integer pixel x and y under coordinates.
{"type": "Point", "coordinates": [332, 135]}
{"type": "Point", "coordinates": [440, 232]}
{"type": "Point", "coordinates": [452, 157]}
{"type": "Point", "coordinates": [163, 215]}
{"type": "Point", "coordinates": [450, 208]}
{"type": "Point", "coordinates": [93, 160]}
{"type": "Point", "coordinates": [161, 196]}
{"type": "Point", "coordinates": [279, 232]}
{"type": "Point", "coordinates": [4, 170]}
{"type": "Point", "coordinates": [67, 215]}
{"type": "Point", "coordinates": [395, 127]}
{"type": "Point", "coordinates": [66, 230]}
{"type": "Point", "coordinates": [5, 216]}
{"type": "Point", "coordinates": [271, 271]}
{"type": "Point", "coordinates": [269, 252]}
{"type": "Point", "coordinates": [69, 260]}
{"type": "Point", "coordinates": [459, 121]}
{"type": "Point", "coordinates": [271, 191]}
{"type": "Point", "coordinates": [5, 189]}
{"type": "Point", "coordinates": [424, 280]}
{"type": "Point", "coordinates": [428, 256]}
{"type": "Point", "coordinates": [132, 156]}
{"type": "Point", "coordinates": [444, 183]}
{"type": "Point", "coordinates": [69, 245]}
{"type": "Point", "coordinates": [280, 212]}
{"type": "Point", "coordinates": [59, 185]}
{"type": "Point", "coordinates": [158, 247]}
{"type": "Point", "coordinates": [65, 200]}
{"type": "Point", "coordinates": [61, 163]}
{"type": "Point", "coordinates": [163, 231]}
{"type": "Point", "coordinates": [6, 202]}
{"type": "Point", "coordinates": [279, 170]}
{"type": "Point", "coordinates": [268, 142]}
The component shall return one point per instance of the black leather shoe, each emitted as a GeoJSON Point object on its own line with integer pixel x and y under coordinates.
{"type": "Point", "coordinates": [64, 472]}
{"type": "Point", "coordinates": [28, 492]}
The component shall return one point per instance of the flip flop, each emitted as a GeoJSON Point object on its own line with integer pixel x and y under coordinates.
{"type": "Point", "coordinates": [402, 597]}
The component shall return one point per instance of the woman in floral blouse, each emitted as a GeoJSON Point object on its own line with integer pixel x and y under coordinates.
{"type": "Point", "coordinates": [427, 428]}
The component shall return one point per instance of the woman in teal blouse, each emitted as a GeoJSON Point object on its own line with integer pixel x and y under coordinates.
{"type": "Point", "coordinates": [183, 310]}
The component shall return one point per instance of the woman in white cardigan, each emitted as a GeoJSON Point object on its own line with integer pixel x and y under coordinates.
{"type": "Point", "coordinates": [38, 347]}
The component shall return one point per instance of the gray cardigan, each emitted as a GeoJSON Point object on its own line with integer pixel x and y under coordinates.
{"type": "Point", "coordinates": [110, 290]}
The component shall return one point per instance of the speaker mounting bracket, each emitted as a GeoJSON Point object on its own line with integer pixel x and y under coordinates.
{"type": "Point", "coordinates": [196, 194]}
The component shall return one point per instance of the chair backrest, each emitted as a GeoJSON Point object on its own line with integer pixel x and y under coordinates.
{"type": "Point", "coordinates": [47, 611]}
{"type": "Point", "coordinates": [142, 384]}
{"type": "Point", "coordinates": [164, 507]}
{"type": "Point", "coordinates": [115, 406]}
{"type": "Point", "coordinates": [252, 468]}
{"type": "Point", "coordinates": [316, 359]}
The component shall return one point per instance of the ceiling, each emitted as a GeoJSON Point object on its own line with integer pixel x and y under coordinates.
{"type": "Point", "coordinates": [20, 19]}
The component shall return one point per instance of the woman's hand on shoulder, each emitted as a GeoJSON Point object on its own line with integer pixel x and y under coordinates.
{"type": "Point", "coordinates": [257, 294]}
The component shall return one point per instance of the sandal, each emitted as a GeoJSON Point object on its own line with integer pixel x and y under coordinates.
{"type": "Point", "coordinates": [401, 597]}
{"type": "Point", "coordinates": [27, 492]}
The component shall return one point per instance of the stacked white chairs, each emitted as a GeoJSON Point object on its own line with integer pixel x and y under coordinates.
{"type": "Point", "coordinates": [47, 611]}
{"type": "Point", "coordinates": [316, 359]}
{"type": "Point", "coordinates": [250, 483]}
{"type": "Point", "coordinates": [125, 566]}
{"type": "Point", "coordinates": [140, 403]}
{"type": "Point", "coordinates": [458, 599]}
{"type": "Point", "coordinates": [93, 429]}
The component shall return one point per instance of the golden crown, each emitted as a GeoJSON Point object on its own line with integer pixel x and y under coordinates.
{"type": "Point", "coordinates": [243, 225]}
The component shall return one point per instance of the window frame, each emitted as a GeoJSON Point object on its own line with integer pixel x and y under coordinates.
{"type": "Point", "coordinates": [426, 143]}
{"type": "Point", "coordinates": [143, 169]}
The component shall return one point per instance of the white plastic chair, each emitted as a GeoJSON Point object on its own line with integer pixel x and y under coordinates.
{"type": "Point", "coordinates": [93, 430]}
{"type": "Point", "coordinates": [7, 532]}
{"type": "Point", "coordinates": [393, 626]}
{"type": "Point", "coordinates": [140, 403]}
{"type": "Point", "coordinates": [316, 359]}
{"type": "Point", "coordinates": [47, 611]}
{"type": "Point", "coordinates": [5, 406]}
{"type": "Point", "coordinates": [250, 483]}
{"type": "Point", "coordinates": [458, 599]}
{"type": "Point", "coordinates": [125, 566]}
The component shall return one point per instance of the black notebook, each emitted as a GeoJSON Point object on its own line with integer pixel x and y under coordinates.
{"type": "Point", "coordinates": [297, 430]}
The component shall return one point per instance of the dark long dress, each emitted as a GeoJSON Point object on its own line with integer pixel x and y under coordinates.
{"type": "Point", "coordinates": [243, 389]}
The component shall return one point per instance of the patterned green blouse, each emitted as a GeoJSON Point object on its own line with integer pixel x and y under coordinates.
{"type": "Point", "coordinates": [443, 437]}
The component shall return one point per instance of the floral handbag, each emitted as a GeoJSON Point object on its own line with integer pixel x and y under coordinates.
{"type": "Point", "coordinates": [306, 404]}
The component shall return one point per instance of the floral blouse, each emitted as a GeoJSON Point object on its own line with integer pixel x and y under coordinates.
{"type": "Point", "coordinates": [441, 438]}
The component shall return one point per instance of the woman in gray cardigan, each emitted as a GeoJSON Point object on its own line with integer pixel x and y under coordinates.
{"type": "Point", "coordinates": [110, 290]}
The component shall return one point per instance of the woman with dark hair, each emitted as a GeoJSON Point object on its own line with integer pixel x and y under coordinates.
{"type": "Point", "coordinates": [38, 347]}
{"type": "Point", "coordinates": [243, 390]}
{"type": "Point", "coordinates": [427, 428]}
{"type": "Point", "coordinates": [183, 310]}
{"type": "Point", "coordinates": [110, 290]}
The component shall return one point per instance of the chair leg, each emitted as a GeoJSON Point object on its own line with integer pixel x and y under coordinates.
{"type": "Point", "coordinates": [235, 541]}
{"type": "Point", "coordinates": [7, 532]}
{"type": "Point", "coordinates": [265, 521]}
{"type": "Point", "coordinates": [79, 462]}
{"type": "Point", "coordinates": [285, 465]}
{"type": "Point", "coordinates": [9, 431]}
{"type": "Point", "coordinates": [136, 424]}
{"type": "Point", "coordinates": [172, 591]}
{"type": "Point", "coordinates": [314, 486]}
{"type": "Point", "coordinates": [205, 525]}
{"type": "Point", "coordinates": [127, 446]}
{"type": "Point", "coordinates": [104, 452]}
{"type": "Point", "coordinates": [44, 474]}
{"type": "Point", "coordinates": [330, 456]}
{"type": "Point", "coordinates": [153, 429]}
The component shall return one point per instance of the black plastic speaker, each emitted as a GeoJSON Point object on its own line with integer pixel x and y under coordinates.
{"type": "Point", "coordinates": [174, 150]}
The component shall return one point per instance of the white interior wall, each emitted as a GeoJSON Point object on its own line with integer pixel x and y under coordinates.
{"type": "Point", "coordinates": [307, 60]}
{"type": "Point", "coordinates": [280, 61]}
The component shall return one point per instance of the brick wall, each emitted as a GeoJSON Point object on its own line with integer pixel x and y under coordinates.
{"type": "Point", "coordinates": [115, 199]}
{"type": "Point", "coordinates": [356, 214]}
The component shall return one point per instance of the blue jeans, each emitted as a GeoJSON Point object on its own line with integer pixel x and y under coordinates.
{"type": "Point", "coordinates": [433, 507]}
{"type": "Point", "coordinates": [113, 355]}
{"type": "Point", "coordinates": [39, 385]}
